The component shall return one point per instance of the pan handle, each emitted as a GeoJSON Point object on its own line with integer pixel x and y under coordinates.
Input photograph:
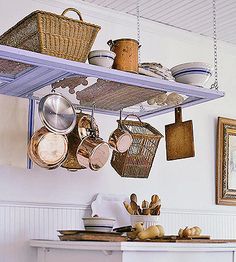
{"type": "Point", "coordinates": [178, 115]}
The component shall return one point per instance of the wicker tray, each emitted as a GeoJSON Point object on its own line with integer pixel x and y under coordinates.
{"type": "Point", "coordinates": [53, 34]}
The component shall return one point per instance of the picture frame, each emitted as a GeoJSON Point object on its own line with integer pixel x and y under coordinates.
{"type": "Point", "coordinates": [226, 162]}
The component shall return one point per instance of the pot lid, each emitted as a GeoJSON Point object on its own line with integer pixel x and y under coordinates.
{"type": "Point", "coordinates": [57, 113]}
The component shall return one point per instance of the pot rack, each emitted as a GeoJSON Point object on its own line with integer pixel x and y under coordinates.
{"type": "Point", "coordinates": [23, 72]}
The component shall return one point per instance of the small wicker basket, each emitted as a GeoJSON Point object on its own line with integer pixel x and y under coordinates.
{"type": "Point", "coordinates": [137, 161]}
{"type": "Point", "coordinates": [53, 34]}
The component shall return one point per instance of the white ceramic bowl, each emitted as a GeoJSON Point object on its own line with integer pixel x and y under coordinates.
{"type": "Point", "coordinates": [103, 58]}
{"type": "Point", "coordinates": [195, 73]}
{"type": "Point", "coordinates": [99, 224]}
{"type": "Point", "coordinates": [146, 220]}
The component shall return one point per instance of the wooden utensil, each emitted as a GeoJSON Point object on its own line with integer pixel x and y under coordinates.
{"type": "Point", "coordinates": [128, 208]}
{"type": "Point", "coordinates": [145, 204]}
{"type": "Point", "coordinates": [133, 197]}
{"type": "Point", "coordinates": [134, 206]}
{"type": "Point", "coordinates": [83, 235]}
{"type": "Point", "coordinates": [179, 138]}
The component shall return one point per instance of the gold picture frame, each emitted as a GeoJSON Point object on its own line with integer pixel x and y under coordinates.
{"type": "Point", "coordinates": [226, 162]}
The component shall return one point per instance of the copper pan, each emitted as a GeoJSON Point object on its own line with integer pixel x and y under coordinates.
{"type": "Point", "coordinates": [47, 149]}
{"type": "Point", "coordinates": [120, 140]}
{"type": "Point", "coordinates": [81, 130]}
{"type": "Point", "coordinates": [93, 153]}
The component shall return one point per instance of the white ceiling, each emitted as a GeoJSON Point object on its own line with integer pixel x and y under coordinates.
{"type": "Point", "coordinates": [195, 16]}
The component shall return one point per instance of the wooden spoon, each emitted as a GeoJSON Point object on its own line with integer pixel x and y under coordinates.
{"type": "Point", "coordinates": [133, 197]}
{"type": "Point", "coordinates": [145, 204]}
{"type": "Point", "coordinates": [146, 211]}
{"type": "Point", "coordinates": [134, 207]}
{"type": "Point", "coordinates": [128, 208]}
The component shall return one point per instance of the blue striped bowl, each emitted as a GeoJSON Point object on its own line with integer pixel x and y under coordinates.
{"type": "Point", "coordinates": [195, 73]}
{"type": "Point", "coordinates": [99, 224]}
{"type": "Point", "coordinates": [103, 58]}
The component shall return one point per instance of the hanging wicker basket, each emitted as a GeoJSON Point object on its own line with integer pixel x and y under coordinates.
{"type": "Point", "coordinates": [53, 34]}
{"type": "Point", "coordinates": [137, 161]}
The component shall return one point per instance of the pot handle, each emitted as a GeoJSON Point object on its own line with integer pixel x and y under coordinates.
{"type": "Point", "coordinates": [110, 43]}
{"type": "Point", "coordinates": [73, 10]}
{"type": "Point", "coordinates": [139, 119]}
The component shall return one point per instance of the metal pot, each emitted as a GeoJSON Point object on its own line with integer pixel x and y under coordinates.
{"type": "Point", "coordinates": [71, 163]}
{"type": "Point", "coordinates": [47, 149]}
{"type": "Point", "coordinates": [84, 126]}
{"type": "Point", "coordinates": [81, 130]}
{"type": "Point", "coordinates": [126, 51]}
{"type": "Point", "coordinates": [57, 113]}
{"type": "Point", "coordinates": [93, 152]}
{"type": "Point", "coordinates": [120, 140]}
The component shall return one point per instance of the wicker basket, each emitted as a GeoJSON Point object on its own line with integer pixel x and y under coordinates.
{"type": "Point", "coordinates": [53, 34]}
{"type": "Point", "coordinates": [137, 161]}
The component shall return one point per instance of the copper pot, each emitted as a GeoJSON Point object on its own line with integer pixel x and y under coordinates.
{"type": "Point", "coordinates": [81, 130]}
{"type": "Point", "coordinates": [126, 54]}
{"type": "Point", "coordinates": [120, 140]}
{"type": "Point", "coordinates": [93, 152]}
{"type": "Point", "coordinates": [47, 149]}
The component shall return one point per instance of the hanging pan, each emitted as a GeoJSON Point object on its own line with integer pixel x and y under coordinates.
{"type": "Point", "coordinates": [57, 113]}
{"type": "Point", "coordinates": [81, 130]}
{"type": "Point", "coordinates": [120, 140]}
{"type": "Point", "coordinates": [47, 149]}
{"type": "Point", "coordinates": [179, 138]}
{"type": "Point", "coordinates": [93, 152]}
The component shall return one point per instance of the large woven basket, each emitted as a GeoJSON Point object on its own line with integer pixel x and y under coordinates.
{"type": "Point", "coordinates": [53, 34]}
{"type": "Point", "coordinates": [137, 161]}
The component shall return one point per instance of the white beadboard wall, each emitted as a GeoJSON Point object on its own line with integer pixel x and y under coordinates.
{"type": "Point", "coordinates": [185, 187]}
{"type": "Point", "coordinates": [23, 221]}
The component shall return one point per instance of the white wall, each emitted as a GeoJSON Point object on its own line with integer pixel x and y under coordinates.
{"type": "Point", "coordinates": [182, 184]}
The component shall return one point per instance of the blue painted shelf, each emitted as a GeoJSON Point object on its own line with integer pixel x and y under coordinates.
{"type": "Point", "coordinates": [33, 71]}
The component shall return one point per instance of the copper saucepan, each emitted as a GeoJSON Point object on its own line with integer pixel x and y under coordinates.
{"type": "Point", "coordinates": [93, 152]}
{"type": "Point", "coordinates": [120, 140]}
{"type": "Point", "coordinates": [80, 131]}
{"type": "Point", "coordinates": [47, 149]}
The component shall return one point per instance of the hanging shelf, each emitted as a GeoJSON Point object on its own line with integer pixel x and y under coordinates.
{"type": "Point", "coordinates": [111, 90]}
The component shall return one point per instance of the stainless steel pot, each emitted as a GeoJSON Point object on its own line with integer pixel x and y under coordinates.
{"type": "Point", "coordinates": [57, 113]}
{"type": "Point", "coordinates": [47, 149]}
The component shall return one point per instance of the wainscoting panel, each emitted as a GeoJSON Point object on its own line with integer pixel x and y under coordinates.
{"type": "Point", "coordinates": [20, 222]}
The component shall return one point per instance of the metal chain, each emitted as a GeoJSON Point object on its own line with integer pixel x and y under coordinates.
{"type": "Point", "coordinates": [215, 85]}
{"type": "Point", "coordinates": [138, 28]}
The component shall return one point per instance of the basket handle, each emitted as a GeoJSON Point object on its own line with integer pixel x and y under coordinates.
{"type": "Point", "coordinates": [139, 119]}
{"type": "Point", "coordinates": [74, 10]}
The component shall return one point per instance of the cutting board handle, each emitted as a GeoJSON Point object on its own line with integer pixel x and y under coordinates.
{"type": "Point", "coordinates": [178, 115]}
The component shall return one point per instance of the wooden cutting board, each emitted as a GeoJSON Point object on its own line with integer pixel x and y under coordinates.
{"type": "Point", "coordinates": [179, 138]}
{"type": "Point", "coordinates": [82, 235]}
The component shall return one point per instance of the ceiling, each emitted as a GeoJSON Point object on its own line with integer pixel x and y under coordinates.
{"type": "Point", "coordinates": [194, 16]}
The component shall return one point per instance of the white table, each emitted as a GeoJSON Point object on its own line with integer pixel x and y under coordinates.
{"type": "Point", "coordinates": [63, 251]}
